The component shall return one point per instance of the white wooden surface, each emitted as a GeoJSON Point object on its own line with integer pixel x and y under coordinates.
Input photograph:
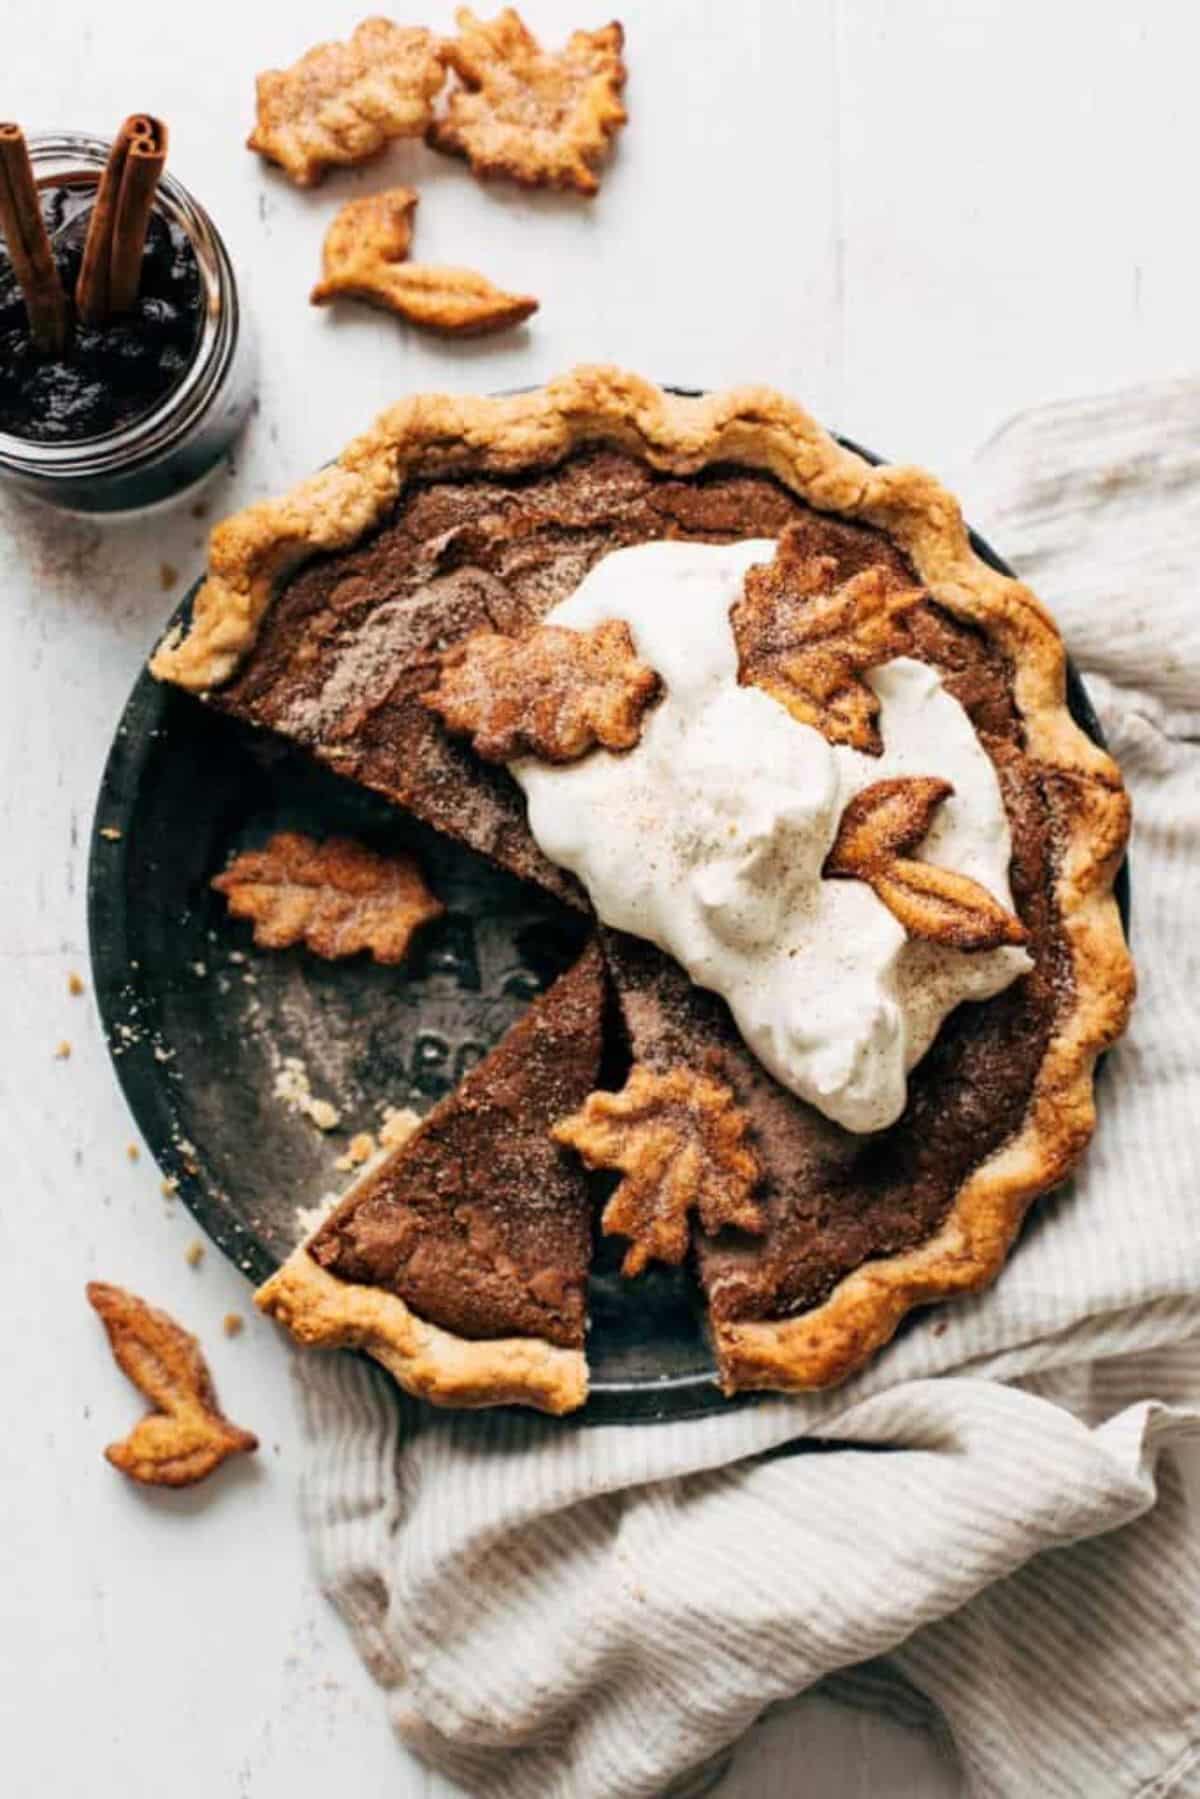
{"type": "Point", "coordinates": [919, 217]}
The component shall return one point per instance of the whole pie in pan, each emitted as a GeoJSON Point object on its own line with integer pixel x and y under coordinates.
{"type": "Point", "coordinates": [756, 706]}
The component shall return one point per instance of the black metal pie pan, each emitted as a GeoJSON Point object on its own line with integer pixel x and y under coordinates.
{"type": "Point", "coordinates": [202, 1027]}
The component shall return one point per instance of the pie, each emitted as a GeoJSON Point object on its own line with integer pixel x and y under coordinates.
{"type": "Point", "coordinates": [347, 617]}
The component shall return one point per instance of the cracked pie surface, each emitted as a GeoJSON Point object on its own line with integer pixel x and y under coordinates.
{"type": "Point", "coordinates": [755, 706]}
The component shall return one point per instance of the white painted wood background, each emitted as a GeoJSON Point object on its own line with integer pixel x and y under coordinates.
{"type": "Point", "coordinates": [918, 216]}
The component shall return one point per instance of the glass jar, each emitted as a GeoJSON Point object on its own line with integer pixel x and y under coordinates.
{"type": "Point", "coordinates": [168, 448]}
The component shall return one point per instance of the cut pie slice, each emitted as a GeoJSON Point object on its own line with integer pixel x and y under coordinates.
{"type": "Point", "coordinates": [461, 1261]}
{"type": "Point", "coordinates": [325, 618]}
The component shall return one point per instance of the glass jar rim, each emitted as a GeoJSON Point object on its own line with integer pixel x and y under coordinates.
{"type": "Point", "coordinates": [153, 432]}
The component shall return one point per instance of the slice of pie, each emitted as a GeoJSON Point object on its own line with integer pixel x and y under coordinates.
{"type": "Point", "coordinates": [461, 1261]}
{"type": "Point", "coordinates": [853, 858]}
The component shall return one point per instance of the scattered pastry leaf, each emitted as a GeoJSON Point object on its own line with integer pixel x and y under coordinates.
{"type": "Point", "coordinates": [455, 302]}
{"type": "Point", "coordinates": [554, 693]}
{"type": "Point", "coordinates": [376, 227]}
{"type": "Point", "coordinates": [879, 829]}
{"type": "Point", "coordinates": [186, 1436]}
{"type": "Point", "coordinates": [807, 638]}
{"type": "Point", "coordinates": [679, 1140]}
{"type": "Point", "coordinates": [342, 102]}
{"type": "Point", "coordinates": [364, 259]}
{"type": "Point", "coordinates": [338, 897]}
{"type": "Point", "coordinates": [542, 119]}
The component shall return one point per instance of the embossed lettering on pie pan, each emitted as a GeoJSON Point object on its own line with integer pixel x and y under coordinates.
{"type": "Point", "coordinates": [200, 1024]}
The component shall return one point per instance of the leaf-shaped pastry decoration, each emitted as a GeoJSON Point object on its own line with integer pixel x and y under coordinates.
{"type": "Point", "coordinates": [338, 896]}
{"type": "Point", "coordinates": [541, 118]}
{"type": "Point", "coordinates": [879, 829]}
{"type": "Point", "coordinates": [807, 636]}
{"type": "Point", "coordinates": [946, 907]}
{"type": "Point", "coordinates": [679, 1139]}
{"type": "Point", "coordinates": [375, 228]}
{"type": "Point", "coordinates": [886, 820]}
{"type": "Point", "coordinates": [341, 103]}
{"type": "Point", "coordinates": [364, 259]}
{"type": "Point", "coordinates": [187, 1435]}
{"type": "Point", "coordinates": [555, 693]}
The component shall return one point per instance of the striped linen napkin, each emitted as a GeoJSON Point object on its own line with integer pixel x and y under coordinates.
{"type": "Point", "coordinates": [565, 1613]}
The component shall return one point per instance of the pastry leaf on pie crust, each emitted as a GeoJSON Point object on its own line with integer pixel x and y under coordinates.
{"type": "Point", "coordinates": [679, 1139]}
{"type": "Point", "coordinates": [879, 829]}
{"type": "Point", "coordinates": [807, 638]}
{"type": "Point", "coordinates": [555, 693]}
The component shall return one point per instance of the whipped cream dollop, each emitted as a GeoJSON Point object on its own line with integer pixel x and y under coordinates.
{"type": "Point", "coordinates": [708, 838]}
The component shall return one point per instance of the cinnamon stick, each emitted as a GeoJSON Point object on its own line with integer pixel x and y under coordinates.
{"type": "Point", "coordinates": [92, 287]}
{"type": "Point", "coordinates": [111, 271]}
{"type": "Point", "coordinates": [29, 243]}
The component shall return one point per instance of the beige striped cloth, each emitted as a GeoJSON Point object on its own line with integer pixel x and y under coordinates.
{"type": "Point", "coordinates": [995, 1537]}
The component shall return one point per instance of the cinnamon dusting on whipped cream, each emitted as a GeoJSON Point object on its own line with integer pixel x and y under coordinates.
{"type": "Point", "coordinates": [709, 836]}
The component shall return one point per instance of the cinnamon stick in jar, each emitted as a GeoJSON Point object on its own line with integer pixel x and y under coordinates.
{"type": "Point", "coordinates": [29, 244]}
{"type": "Point", "coordinates": [111, 271]}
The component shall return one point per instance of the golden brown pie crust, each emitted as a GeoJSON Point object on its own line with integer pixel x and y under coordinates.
{"type": "Point", "coordinates": [432, 1363]}
{"type": "Point", "coordinates": [756, 428]}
